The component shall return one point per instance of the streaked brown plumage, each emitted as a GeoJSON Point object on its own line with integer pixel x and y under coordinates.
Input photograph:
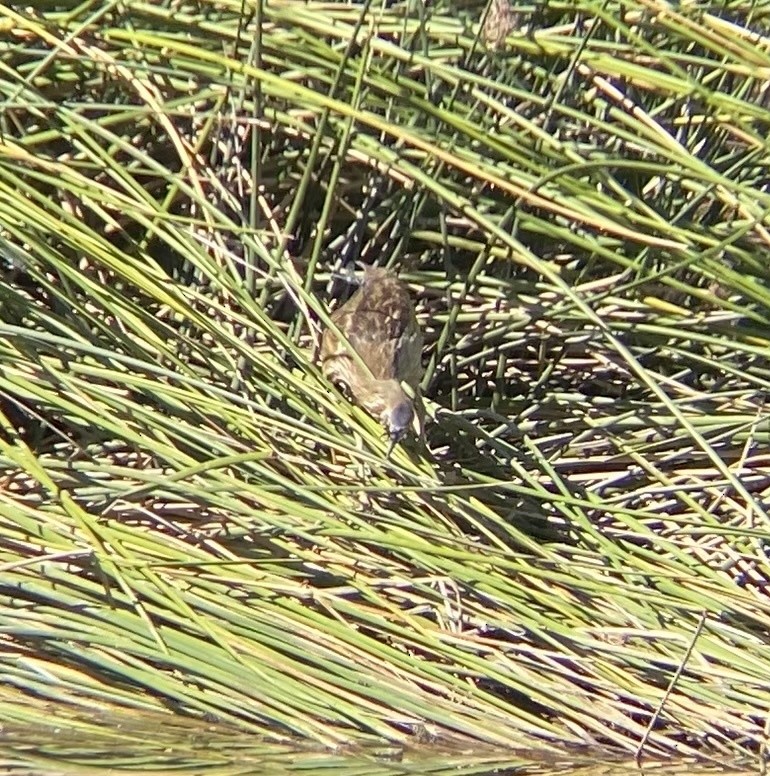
{"type": "Point", "coordinates": [380, 324]}
{"type": "Point", "coordinates": [498, 23]}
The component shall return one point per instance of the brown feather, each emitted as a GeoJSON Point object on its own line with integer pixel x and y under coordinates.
{"type": "Point", "coordinates": [380, 324]}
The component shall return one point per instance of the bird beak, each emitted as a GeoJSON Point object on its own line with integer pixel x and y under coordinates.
{"type": "Point", "coordinates": [396, 435]}
{"type": "Point", "coordinates": [393, 442]}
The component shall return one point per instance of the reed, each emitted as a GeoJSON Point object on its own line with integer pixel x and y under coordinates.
{"type": "Point", "coordinates": [193, 519]}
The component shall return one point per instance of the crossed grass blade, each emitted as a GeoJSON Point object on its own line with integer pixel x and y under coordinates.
{"type": "Point", "coordinates": [186, 439]}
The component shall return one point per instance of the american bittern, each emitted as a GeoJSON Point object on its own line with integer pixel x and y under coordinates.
{"type": "Point", "coordinates": [379, 323]}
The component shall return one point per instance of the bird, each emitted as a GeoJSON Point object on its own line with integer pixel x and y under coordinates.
{"type": "Point", "coordinates": [498, 23]}
{"type": "Point", "coordinates": [379, 323]}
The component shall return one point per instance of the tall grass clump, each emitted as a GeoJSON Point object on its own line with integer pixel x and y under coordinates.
{"type": "Point", "coordinates": [192, 519]}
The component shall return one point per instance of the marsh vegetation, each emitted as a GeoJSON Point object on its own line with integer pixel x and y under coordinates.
{"type": "Point", "coordinates": [194, 521]}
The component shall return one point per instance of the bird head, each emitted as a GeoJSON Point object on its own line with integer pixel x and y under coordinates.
{"type": "Point", "coordinates": [388, 402]}
{"type": "Point", "coordinates": [398, 420]}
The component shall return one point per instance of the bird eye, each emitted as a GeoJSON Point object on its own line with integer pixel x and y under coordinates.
{"type": "Point", "coordinates": [400, 418]}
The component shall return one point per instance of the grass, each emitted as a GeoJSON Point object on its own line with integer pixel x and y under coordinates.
{"type": "Point", "coordinates": [193, 520]}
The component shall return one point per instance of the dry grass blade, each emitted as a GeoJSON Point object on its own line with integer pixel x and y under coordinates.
{"type": "Point", "coordinates": [193, 518]}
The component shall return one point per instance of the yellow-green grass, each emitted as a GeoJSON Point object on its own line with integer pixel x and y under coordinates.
{"type": "Point", "coordinates": [193, 520]}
